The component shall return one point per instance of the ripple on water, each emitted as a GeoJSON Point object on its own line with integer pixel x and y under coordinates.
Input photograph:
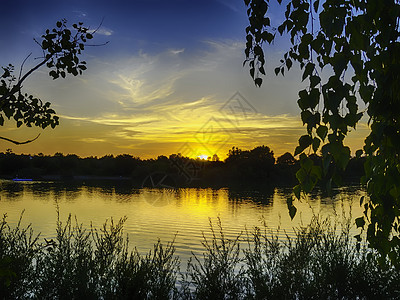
{"type": "Point", "coordinates": [183, 214]}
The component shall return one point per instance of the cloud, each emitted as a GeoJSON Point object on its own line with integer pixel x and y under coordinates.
{"type": "Point", "coordinates": [104, 31]}
{"type": "Point", "coordinates": [178, 51]}
{"type": "Point", "coordinates": [167, 99]}
{"type": "Point", "coordinates": [230, 5]}
{"type": "Point", "coordinates": [80, 14]}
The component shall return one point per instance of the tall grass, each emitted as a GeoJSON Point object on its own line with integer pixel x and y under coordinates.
{"type": "Point", "coordinates": [320, 261]}
{"type": "Point", "coordinates": [218, 274]}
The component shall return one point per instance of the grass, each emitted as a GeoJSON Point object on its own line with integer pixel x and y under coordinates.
{"type": "Point", "coordinates": [321, 261]}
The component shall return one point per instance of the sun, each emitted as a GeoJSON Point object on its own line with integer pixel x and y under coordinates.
{"type": "Point", "coordinates": [203, 156]}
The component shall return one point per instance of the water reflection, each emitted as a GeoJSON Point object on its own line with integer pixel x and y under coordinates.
{"type": "Point", "coordinates": [163, 213]}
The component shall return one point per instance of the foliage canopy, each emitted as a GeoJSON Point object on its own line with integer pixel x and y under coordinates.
{"type": "Point", "coordinates": [61, 48]}
{"type": "Point", "coordinates": [348, 51]}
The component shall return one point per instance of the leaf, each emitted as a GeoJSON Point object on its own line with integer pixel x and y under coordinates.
{"type": "Point", "coordinates": [362, 200]}
{"type": "Point", "coordinates": [314, 81]}
{"type": "Point", "coordinates": [291, 207]}
{"type": "Point", "coordinates": [301, 175]}
{"type": "Point", "coordinates": [360, 222]}
{"type": "Point", "coordinates": [305, 116]}
{"type": "Point", "coordinates": [322, 131]}
{"type": "Point", "coordinates": [308, 70]}
{"type": "Point", "coordinates": [258, 81]}
{"type": "Point", "coordinates": [316, 4]}
{"type": "Point", "coordinates": [53, 74]}
{"type": "Point", "coordinates": [317, 172]}
{"type": "Point", "coordinates": [267, 36]}
{"type": "Point", "coordinates": [281, 28]}
{"type": "Point", "coordinates": [277, 70]}
{"type": "Point", "coordinates": [289, 63]}
{"type": "Point", "coordinates": [297, 191]}
{"type": "Point", "coordinates": [304, 142]}
{"type": "Point", "coordinates": [315, 144]}
{"type": "Point", "coordinates": [252, 72]}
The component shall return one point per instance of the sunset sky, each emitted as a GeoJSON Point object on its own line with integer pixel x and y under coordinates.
{"type": "Point", "coordinates": [170, 80]}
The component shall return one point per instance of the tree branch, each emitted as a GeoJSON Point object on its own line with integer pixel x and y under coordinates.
{"type": "Point", "coordinates": [19, 143]}
{"type": "Point", "coordinates": [22, 66]}
{"type": "Point", "coordinates": [17, 87]}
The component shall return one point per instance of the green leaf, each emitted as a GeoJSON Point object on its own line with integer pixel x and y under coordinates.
{"type": "Point", "coordinates": [301, 175]}
{"type": "Point", "coordinates": [297, 191]}
{"type": "Point", "coordinates": [316, 171]}
{"type": "Point", "coordinates": [304, 142]}
{"type": "Point", "coordinates": [315, 144]}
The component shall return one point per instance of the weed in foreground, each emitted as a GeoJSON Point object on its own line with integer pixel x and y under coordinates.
{"type": "Point", "coordinates": [320, 261]}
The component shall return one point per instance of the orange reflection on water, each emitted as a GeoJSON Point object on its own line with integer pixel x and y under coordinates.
{"type": "Point", "coordinates": [164, 214]}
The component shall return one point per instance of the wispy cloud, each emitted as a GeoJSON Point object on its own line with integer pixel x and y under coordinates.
{"type": "Point", "coordinates": [80, 14]}
{"type": "Point", "coordinates": [104, 31]}
{"type": "Point", "coordinates": [169, 99]}
{"type": "Point", "coordinates": [177, 51]}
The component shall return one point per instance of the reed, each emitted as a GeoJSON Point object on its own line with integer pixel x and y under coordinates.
{"type": "Point", "coordinates": [321, 261]}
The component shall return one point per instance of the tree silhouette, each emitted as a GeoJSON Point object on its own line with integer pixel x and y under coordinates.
{"type": "Point", "coordinates": [61, 48]}
{"type": "Point", "coordinates": [286, 159]}
{"type": "Point", "coordinates": [347, 50]}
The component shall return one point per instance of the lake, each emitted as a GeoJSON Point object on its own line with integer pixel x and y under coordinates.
{"type": "Point", "coordinates": [166, 214]}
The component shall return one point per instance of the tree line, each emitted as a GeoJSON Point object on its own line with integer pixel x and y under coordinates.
{"type": "Point", "coordinates": [255, 167]}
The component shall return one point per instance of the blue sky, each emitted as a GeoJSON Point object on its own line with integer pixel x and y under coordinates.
{"type": "Point", "coordinates": [159, 85]}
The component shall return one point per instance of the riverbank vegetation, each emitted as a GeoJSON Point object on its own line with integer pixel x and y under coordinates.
{"type": "Point", "coordinates": [320, 261]}
{"type": "Point", "coordinates": [255, 167]}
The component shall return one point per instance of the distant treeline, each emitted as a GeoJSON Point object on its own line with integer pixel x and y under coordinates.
{"type": "Point", "coordinates": [241, 168]}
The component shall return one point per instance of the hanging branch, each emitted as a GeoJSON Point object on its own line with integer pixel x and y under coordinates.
{"type": "Point", "coordinates": [19, 143]}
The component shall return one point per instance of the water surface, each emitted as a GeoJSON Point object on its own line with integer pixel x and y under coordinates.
{"type": "Point", "coordinates": [163, 214]}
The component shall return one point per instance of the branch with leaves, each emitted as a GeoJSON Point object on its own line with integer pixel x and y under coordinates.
{"type": "Point", "coordinates": [61, 48]}
{"type": "Point", "coordinates": [356, 46]}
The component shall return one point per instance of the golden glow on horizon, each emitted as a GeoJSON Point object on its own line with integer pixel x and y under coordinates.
{"type": "Point", "coordinates": [162, 137]}
{"type": "Point", "coordinates": [150, 105]}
